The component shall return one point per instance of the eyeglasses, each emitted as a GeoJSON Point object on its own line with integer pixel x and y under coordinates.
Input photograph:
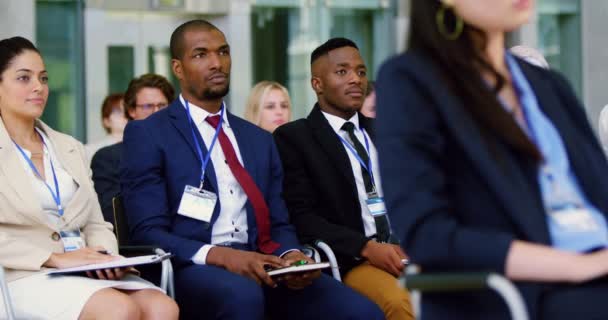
{"type": "Point", "coordinates": [152, 106]}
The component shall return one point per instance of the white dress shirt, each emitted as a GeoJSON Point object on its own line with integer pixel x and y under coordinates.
{"type": "Point", "coordinates": [67, 185]}
{"type": "Point", "coordinates": [231, 224]}
{"type": "Point", "coordinates": [336, 123]}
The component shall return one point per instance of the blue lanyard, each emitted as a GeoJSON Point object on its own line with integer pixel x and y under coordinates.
{"type": "Point", "coordinates": [523, 95]}
{"type": "Point", "coordinates": [367, 166]}
{"type": "Point", "coordinates": [199, 150]}
{"type": "Point", "coordinates": [56, 196]}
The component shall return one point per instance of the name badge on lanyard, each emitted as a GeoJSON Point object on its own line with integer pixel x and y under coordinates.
{"type": "Point", "coordinates": [574, 219]}
{"type": "Point", "coordinates": [375, 204]}
{"type": "Point", "coordinates": [72, 240]}
{"type": "Point", "coordinates": [565, 209]}
{"type": "Point", "coordinates": [197, 203]}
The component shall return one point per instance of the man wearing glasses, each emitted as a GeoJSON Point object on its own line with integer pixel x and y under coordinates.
{"type": "Point", "coordinates": [145, 95]}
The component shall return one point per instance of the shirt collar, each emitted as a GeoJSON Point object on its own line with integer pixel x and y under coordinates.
{"type": "Point", "coordinates": [199, 114]}
{"type": "Point", "coordinates": [520, 82]}
{"type": "Point", "coordinates": [336, 122]}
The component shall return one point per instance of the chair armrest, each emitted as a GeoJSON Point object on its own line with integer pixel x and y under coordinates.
{"type": "Point", "coordinates": [445, 282]}
{"type": "Point", "coordinates": [467, 281]}
{"type": "Point", "coordinates": [8, 304]}
{"type": "Point", "coordinates": [131, 251]}
{"type": "Point", "coordinates": [331, 257]}
{"type": "Point", "coordinates": [166, 278]}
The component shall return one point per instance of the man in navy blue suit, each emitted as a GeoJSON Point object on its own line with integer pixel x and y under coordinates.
{"type": "Point", "coordinates": [205, 185]}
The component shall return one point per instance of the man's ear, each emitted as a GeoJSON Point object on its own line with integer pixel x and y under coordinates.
{"type": "Point", "coordinates": [317, 85]}
{"type": "Point", "coordinates": [176, 67]}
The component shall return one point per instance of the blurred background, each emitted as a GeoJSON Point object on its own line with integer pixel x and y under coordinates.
{"type": "Point", "coordinates": [95, 47]}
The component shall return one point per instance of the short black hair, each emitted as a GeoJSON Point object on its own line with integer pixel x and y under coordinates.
{"type": "Point", "coordinates": [177, 37]}
{"type": "Point", "coordinates": [12, 47]}
{"type": "Point", "coordinates": [329, 45]}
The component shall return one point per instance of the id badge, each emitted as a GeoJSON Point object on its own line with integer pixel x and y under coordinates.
{"type": "Point", "coordinates": [197, 204]}
{"type": "Point", "coordinates": [575, 219]}
{"type": "Point", "coordinates": [376, 206]}
{"type": "Point", "coordinates": [72, 240]}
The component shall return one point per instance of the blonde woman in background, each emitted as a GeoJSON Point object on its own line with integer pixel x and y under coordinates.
{"type": "Point", "coordinates": [268, 105]}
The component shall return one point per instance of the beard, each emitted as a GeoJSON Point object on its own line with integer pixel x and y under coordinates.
{"type": "Point", "coordinates": [211, 94]}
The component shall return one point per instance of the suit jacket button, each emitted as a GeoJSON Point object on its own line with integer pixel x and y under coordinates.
{"type": "Point", "coordinates": [55, 236]}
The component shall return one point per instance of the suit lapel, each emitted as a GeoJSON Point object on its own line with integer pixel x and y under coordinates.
{"type": "Point", "coordinates": [246, 147]}
{"type": "Point", "coordinates": [326, 137]}
{"type": "Point", "coordinates": [17, 178]}
{"type": "Point", "coordinates": [66, 153]}
{"type": "Point", "coordinates": [506, 185]}
{"type": "Point", "coordinates": [179, 120]}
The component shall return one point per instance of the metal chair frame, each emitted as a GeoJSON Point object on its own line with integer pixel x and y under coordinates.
{"type": "Point", "coordinates": [166, 278]}
{"type": "Point", "coordinates": [8, 304]}
{"type": "Point", "coordinates": [419, 283]}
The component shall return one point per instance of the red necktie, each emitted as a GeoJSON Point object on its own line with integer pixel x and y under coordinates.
{"type": "Point", "coordinates": [252, 191]}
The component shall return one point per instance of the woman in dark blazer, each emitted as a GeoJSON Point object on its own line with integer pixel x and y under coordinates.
{"type": "Point", "coordinates": [489, 164]}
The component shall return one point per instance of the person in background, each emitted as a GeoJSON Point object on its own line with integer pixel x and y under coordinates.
{"type": "Point", "coordinates": [530, 55]}
{"type": "Point", "coordinates": [50, 214]}
{"type": "Point", "coordinates": [499, 171]}
{"type": "Point", "coordinates": [268, 105]}
{"type": "Point", "coordinates": [144, 96]}
{"type": "Point", "coordinates": [113, 120]}
{"type": "Point", "coordinates": [369, 104]}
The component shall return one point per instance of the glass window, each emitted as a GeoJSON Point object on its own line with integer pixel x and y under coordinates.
{"type": "Point", "coordinates": [159, 62]}
{"type": "Point", "coordinates": [284, 34]}
{"type": "Point", "coordinates": [559, 37]}
{"type": "Point", "coordinates": [59, 39]}
{"type": "Point", "coordinates": [121, 64]}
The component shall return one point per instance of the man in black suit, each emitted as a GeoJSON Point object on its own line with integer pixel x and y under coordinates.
{"type": "Point", "coordinates": [332, 183]}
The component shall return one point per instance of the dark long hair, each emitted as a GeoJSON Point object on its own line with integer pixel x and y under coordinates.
{"type": "Point", "coordinates": [461, 63]}
{"type": "Point", "coordinates": [11, 48]}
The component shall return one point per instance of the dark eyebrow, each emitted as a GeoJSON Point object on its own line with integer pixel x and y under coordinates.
{"type": "Point", "coordinates": [346, 64]}
{"type": "Point", "coordinates": [29, 71]}
{"type": "Point", "coordinates": [204, 49]}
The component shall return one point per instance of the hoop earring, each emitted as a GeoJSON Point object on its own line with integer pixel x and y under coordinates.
{"type": "Point", "coordinates": [443, 30]}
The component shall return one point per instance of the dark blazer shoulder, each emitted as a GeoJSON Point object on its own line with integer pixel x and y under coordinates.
{"type": "Point", "coordinates": [243, 124]}
{"type": "Point", "coordinates": [299, 125]}
{"type": "Point", "coordinates": [410, 62]}
{"type": "Point", "coordinates": [107, 153]}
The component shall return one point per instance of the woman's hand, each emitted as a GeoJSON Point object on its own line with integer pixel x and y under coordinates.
{"type": "Point", "coordinates": [76, 258]}
{"type": "Point", "coordinates": [591, 266]}
{"type": "Point", "coordinates": [109, 274]}
{"type": "Point", "coordinates": [539, 263]}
